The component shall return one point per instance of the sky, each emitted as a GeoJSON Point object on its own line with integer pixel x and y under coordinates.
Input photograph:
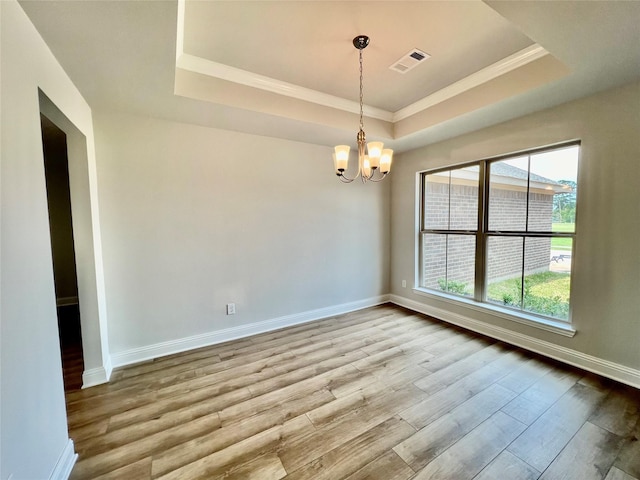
{"type": "Point", "coordinates": [555, 165]}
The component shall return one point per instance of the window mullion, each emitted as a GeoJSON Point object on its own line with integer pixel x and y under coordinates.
{"type": "Point", "coordinates": [528, 194]}
{"type": "Point", "coordinates": [481, 238]}
{"type": "Point", "coordinates": [420, 255]}
{"type": "Point", "coordinates": [522, 272]}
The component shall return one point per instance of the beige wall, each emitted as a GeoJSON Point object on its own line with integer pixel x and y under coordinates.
{"type": "Point", "coordinates": [606, 279]}
{"type": "Point", "coordinates": [194, 218]}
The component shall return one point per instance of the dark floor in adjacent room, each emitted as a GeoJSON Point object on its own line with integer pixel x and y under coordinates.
{"type": "Point", "coordinates": [71, 346]}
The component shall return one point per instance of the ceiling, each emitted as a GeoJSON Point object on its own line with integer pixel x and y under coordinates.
{"type": "Point", "coordinates": [289, 69]}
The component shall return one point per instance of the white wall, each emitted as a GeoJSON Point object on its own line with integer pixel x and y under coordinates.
{"type": "Point", "coordinates": [194, 218]}
{"type": "Point", "coordinates": [606, 283]}
{"type": "Point", "coordinates": [33, 440]}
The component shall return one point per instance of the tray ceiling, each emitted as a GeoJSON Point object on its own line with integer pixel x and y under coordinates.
{"type": "Point", "coordinates": [288, 68]}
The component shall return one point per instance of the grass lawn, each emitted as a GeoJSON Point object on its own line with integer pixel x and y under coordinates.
{"type": "Point", "coordinates": [563, 227]}
{"type": "Point", "coordinates": [562, 243]}
{"type": "Point", "coordinates": [551, 284]}
{"type": "Point", "coordinates": [546, 293]}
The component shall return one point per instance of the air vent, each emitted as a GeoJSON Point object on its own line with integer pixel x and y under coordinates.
{"type": "Point", "coordinates": [409, 61]}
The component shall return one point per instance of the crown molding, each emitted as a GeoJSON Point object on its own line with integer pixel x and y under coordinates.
{"type": "Point", "coordinates": [517, 60]}
{"type": "Point", "coordinates": [203, 66]}
{"type": "Point", "coordinates": [180, 30]}
{"type": "Point", "coordinates": [195, 64]}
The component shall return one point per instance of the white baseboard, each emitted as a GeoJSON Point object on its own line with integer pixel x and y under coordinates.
{"type": "Point", "coordinates": [615, 371]}
{"type": "Point", "coordinates": [108, 368]}
{"type": "Point", "coordinates": [64, 301]}
{"type": "Point", "coordinates": [96, 376]}
{"type": "Point", "coordinates": [150, 352]}
{"type": "Point", "coordinates": [65, 463]}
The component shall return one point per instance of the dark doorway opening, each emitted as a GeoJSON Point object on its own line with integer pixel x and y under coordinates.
{"type": "Point", "coordinates": [71, 346]}
{"type": "Point", "coordinates": [56, 163]}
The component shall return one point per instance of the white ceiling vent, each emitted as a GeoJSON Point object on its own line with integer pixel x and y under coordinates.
{"type": "Point", "coordinates": [409, 61]}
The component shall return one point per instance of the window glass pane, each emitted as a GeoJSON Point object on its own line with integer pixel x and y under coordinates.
{"type": "Point", "coordinates": [553, 190]}
{"type": "Point", "coordinates": [464, 198]}
{"type": "Point", "coordinates": [451, 200]}
{"type": "Point", "coordinates": [434, 259]}
{"type": "Point", "coordinates": [508, 195]}
{"type": "Point", "coordinates": [547, 277]}
{"type": "Point", "coordinates": [436, 201]}
{"type": "Point", "coordinates": [461, 265]}
{"type": "Point", "coordinates": [537, 254]}
{"type": "Point", "coordinates": [504, 270]}
{"type": "Point", "coordinates": [449, 263]}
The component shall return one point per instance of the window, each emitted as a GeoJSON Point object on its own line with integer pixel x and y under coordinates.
{"type": "Point", "coordinates": [501, 231]}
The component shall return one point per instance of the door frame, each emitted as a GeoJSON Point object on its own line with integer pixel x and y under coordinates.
{"type": "Point", "coordinates": [88, 247]}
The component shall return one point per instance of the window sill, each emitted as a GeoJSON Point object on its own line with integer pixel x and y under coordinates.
{"type": "Point", "coordinates": [554, 326]}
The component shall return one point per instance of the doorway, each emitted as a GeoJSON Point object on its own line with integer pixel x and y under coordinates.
{"type": "Point", "coordinates": [56, 167]}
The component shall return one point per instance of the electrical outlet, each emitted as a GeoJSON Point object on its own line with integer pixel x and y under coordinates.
{"type": "Point", "coordinates": [231, 308]}
{"type": "Point", "coordinates": [404, 284]}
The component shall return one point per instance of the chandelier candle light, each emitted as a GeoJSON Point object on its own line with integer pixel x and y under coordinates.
{"type": "Point", "coordinates": [378, 159]}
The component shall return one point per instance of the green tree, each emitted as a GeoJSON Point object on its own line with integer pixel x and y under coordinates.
{"type": "Point", "coordinates": [564, 204]}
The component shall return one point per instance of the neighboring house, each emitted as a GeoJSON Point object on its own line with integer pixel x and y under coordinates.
{"type": "Point", "coordinates": [506, 212]}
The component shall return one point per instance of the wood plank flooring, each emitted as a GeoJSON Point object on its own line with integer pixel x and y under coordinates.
{"type": "Point", "coordinates": [381, 393]}
{"type": "Point", "coordinates": [70, 346]}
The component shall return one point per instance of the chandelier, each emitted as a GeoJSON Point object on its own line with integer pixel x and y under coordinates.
{"type": "Point", "coordinates": [377, 158]}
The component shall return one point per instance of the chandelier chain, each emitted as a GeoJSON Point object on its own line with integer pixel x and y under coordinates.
{"type": "Point", "coordinates": [361, 93]}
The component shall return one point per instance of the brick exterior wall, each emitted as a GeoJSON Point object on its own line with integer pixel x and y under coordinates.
{"type": "Point", "coordinates": [507, 212]}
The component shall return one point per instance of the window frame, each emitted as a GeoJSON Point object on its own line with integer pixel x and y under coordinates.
{"type": "Point", "coordinates": [482, 233]}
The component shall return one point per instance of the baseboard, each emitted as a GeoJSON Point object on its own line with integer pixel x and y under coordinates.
{"type": "Point", "coordinates": [108, 368]}
{"type": "Point", "coordinates": [96, 376]}
{"type": "Point", "coordinates": [615, 371]}
{"type": "Point", "coordinates": [65, 463]}
{"type": "Point", "coordinates": [150, 352]}
{"type": "Point", "coordinates": [64, 301]}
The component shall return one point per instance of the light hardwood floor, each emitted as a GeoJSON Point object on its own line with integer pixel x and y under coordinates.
{"type": "Point", "coordinates": [381, 393]}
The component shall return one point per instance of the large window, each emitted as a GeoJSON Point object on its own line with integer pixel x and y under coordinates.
{"type": "Point", "coordinates": [501, 231]}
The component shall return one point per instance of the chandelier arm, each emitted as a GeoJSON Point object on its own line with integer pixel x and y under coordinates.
{"type": "Point", "coordinates": [379, 179]}
{"type": "Point", "coordinates": [344, 179]}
